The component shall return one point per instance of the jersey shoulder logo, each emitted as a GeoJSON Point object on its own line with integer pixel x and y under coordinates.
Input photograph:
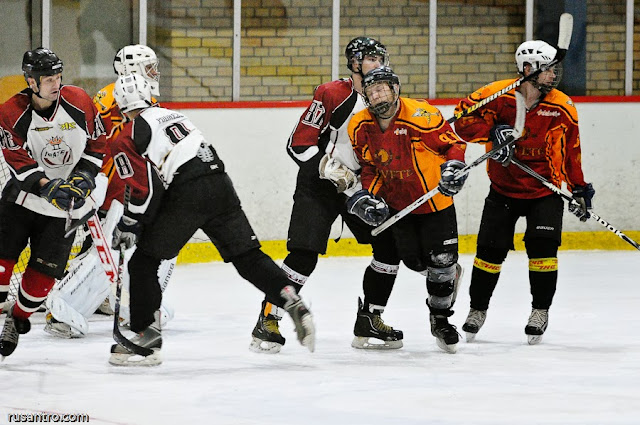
{"type": "Point", "coordinates": [65, 126]}
{"type": "Point", "coordinates": [420, 112]}
{"type": "Point", "coordinates": [57, 153]}
{"type": "Point", "coordinates": [314, 114]}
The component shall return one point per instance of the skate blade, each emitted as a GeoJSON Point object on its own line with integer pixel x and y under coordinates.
{"type": "Point", "coordinates": [470, 336]}
{"type": "Point", "coordinates": [534, 339]}
{"type": "Point", "coordinates": [449, 348]}
{"type": "Point", "coordinates": [60, 333]}
{"type": "Point", "coordinates": [265, 347]}
{"type": "Point", "coordinates": [128, 359]}
{"type": "Point", "coordinates": [371, 343]}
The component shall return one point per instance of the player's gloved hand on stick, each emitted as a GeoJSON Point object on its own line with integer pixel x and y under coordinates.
{"type": "Point", "coordinates": [83, 181]}
{"type": "Point", "coordinates": [582, 195]}
{"type": "Point", "coordinates": [339, 174]}
{"type": "Point", "coordinates": [370, 209]}
{"type": "Point", "coordinates": [498, 135]}
{"type": "Point", "coordinates": [449, 185]}
{"type": "Point", "coordinates": [126, 232]}
{"type": "Point", "coordinates": [59, 194]}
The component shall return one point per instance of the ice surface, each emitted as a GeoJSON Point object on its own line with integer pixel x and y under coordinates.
{"type": "Point", "coordinates": [585, 371]}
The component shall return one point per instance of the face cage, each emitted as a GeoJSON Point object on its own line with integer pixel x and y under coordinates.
{"type": "Point", "coordinates": [151, 70]}
{"type": "Point", "coordinates": [383, 107]}
{"type": "Point", "coordinates": [546, 88]}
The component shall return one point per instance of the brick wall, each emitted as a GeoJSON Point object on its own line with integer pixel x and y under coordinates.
{"type": "Point", "coordinates": [286, 45]}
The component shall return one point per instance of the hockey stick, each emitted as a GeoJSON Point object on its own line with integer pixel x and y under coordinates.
{"type": "Point", "coordinates": [117, 334]}
{"type": "Point", "coordinates": [564, 38]}
{"type": "Point", "coordinates": [567, 196]}
{"type": "Point", "coordinates": [518, 128]}
{"type": "Point", "coordinates": [67, 223]}
{"type": "Point", "coordinates": [79, 223]}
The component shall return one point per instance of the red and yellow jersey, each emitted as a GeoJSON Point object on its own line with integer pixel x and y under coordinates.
{"type": "Point", "coordinates": [114, 121]}
{"type": "Point", "coordinates": [550, 143]}
{"type": "Point", "coordinates": [403, 162]}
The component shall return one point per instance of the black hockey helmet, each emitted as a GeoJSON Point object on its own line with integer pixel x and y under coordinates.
{"type": "Point", "coordinates": [40, 62]}
{"type": "Point", "coordinates": [383, 74]}
{"type": "Point", "coordinates": [359, 47]}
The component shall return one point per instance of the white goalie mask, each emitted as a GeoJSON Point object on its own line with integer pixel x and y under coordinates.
{"type": "Point", "coordinates": [139, 59]}
{"type": "Point", "coordinates": [132, 92]}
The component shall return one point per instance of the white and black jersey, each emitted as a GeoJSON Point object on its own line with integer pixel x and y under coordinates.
{"type": "Point", "coordinates": [153, 150]}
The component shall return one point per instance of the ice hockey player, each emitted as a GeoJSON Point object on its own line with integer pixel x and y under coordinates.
{"type": "Point", "coordinates": [406, 148]}
{"type": "Point", "coordinates": [550, 146]}
{"type": "Point", "coordinates": [164, 149]}
{"type": "Point", "coordinates": [327, 176]}
{"type": "Point", "coordinates": [86, 287]}
{"type": "Point", "coordinates": [53, 141]}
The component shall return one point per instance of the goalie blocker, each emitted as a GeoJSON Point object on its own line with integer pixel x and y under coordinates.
{"type": "Point", "coordinates": [88, 283]}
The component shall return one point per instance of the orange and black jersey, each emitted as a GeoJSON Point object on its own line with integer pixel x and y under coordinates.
{"type": "Point", "coordinates": [550, 143]}
{"type": "Point", "coordinates": [403, 162]}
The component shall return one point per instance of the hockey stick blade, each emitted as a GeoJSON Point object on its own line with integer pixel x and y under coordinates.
{"type": "Point", "coordinates": [571, 200]}
{"type": "Point", "coordinates": [79, 223]}
{"type": "Point", "coordinates": [67, 223]}
{"type": "Point", "coordinates": [518, 128]}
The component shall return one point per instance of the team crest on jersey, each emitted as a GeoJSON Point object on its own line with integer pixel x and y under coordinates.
{"type": "Point", "coordinates": [384, 157]}
{"type": "Point", "coordinates": [400, 132]}
{"type": "Point", "coordinates": [6, 140]}
{"type": "Point", "coordinates": [423, 113]}
{"type": "Point", "coordinates": [57, 153]}
{"type": "Point", "coordinates": [68, 126]}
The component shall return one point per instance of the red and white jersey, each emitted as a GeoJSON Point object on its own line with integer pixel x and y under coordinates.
{"type": "Point", "coordinates": [323, 125]}
{"type": "Point", "coordinates": [49, 144]}
{"type": "Point", "coordinates": [155, 145]}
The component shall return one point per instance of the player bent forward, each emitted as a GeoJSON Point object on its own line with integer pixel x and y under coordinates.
{"type": "Point", "coordinates": [161, 144]}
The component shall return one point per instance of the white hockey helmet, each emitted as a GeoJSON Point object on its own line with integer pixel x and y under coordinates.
{"type": "Point", "coordinates": [139, 59]}
{"type": "Point", "coordinates": [537, 53]}
{"type": "Point", "coordinates": [131, 92]}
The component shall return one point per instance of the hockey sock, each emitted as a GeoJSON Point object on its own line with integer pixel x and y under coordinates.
{"type": "Point", "coordinates": [6, 270]}
{"type": "Point", "coordinates": [259, 269]}
{"type": "Point", "coordinates": [33, 291]}
{"type": "Point", "coordinates": [377, 284]}
{"type": "Point", "coordinates": [484, 276]}
{"type": "Point", "coordinates": [145, 295]}
{"type": "Point", "coordinates": [299, 265]}
{"type": "Point", "coordinates": [543, 271]}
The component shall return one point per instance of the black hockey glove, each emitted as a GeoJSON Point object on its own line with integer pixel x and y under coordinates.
{"type": "Point", "coordinates": [450, 185]}
{"type": "Point", "coordinates": [126, 233]}
{"type": "Point", "coordinates": [370, 209]}
{"type": "Point", "coordinates": [83, 181]}
{"type": "Point", "coordinates": [498, 135]}
{"type": "Point", "coordinates": [59, 194]}
{"type": "Point", "coordinates": [582, 195]}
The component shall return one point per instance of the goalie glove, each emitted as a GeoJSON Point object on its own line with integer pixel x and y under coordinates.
{"type": "Point", "coordinates": [582, 201]}
{"type": "Point", "coordinates": [337, 173]}
{"type": "Point", "coordinates": [126, 233]}
{"type": "Point", "coordinates": [498, 136]}
{"type": "Point", "coordinates": [449, 185]}
{"type": "Point", "coordinates": [370, 209]}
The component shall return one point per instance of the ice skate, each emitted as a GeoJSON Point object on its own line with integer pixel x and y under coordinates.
{"type": "Point", "coordinates": [538, 321]}
{"type": "Point", "coordinates": [266, 337]}
{"type": "Point", "coordinates": [372, 333]}
{"type": "Point", "coordinates": [446, 335]}
{"type": "Point", "coordinates": [474, 322]}
{"type": "Point", "coordinates": [12, 329]}
{"type": "Point", "coordinates": [301, 317]}
{"type": "Point", "coordinates": [151, 338]}
{"type": "Point", "coordinates": [59, 329]}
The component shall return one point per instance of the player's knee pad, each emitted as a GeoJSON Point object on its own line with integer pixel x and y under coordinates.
{"type": "Point", "coordinates": [492, 255]}
{"type": "Point", "coordinates": [441, 286]}
{"type": "Point", "coordinates": [415, 263]}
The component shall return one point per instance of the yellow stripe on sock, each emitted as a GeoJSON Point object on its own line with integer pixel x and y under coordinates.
{"type": "Point", "coordinates": [543, 264]}
{"type": "Point", "coordinates": [487, 266]}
